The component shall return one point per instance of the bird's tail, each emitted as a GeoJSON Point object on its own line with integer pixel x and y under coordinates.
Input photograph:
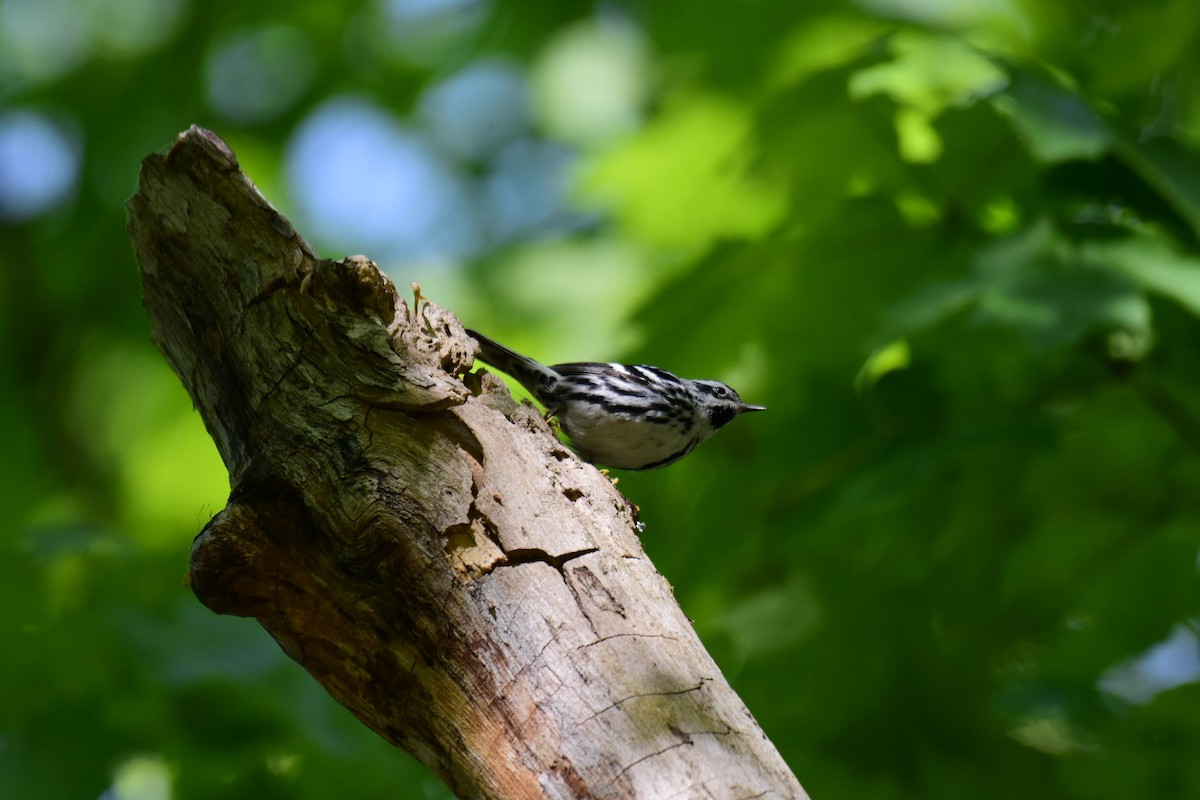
{"type": "Point", "coordinates": [537, 378]}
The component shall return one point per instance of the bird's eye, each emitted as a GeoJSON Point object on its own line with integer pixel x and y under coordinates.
{"type": "Point", "coordinates": [721, 392]}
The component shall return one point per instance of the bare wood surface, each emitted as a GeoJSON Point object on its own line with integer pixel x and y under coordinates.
{"type": "Point", "coordinates": [419, 542]}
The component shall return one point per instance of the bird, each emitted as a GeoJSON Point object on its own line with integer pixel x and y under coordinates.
{"type": "Point", "coordinates": [623, 416]}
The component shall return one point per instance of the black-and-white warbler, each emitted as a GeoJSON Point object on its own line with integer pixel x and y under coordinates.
{"type": "Point", "coordinates": [618, 415]}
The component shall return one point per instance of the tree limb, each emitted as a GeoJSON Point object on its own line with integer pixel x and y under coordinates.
{"type": "Point", "coordinates": [419, 542]}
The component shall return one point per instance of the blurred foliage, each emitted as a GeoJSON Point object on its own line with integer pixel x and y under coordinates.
{"type": "Point", "coordinates": [953, 246]}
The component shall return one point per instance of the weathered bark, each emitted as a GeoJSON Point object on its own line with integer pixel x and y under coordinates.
{"type": "Point", "coordinates": [419, 542]}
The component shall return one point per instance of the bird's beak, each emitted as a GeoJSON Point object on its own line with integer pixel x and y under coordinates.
{"type": "Point", "coordinates": [743, 408]}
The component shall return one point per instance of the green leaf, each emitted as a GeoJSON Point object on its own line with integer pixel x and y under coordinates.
{"type": "Point", "coordinates": [1054, 123]}
{"type": "Point", "coordinates": [685, 180]}
{"type": "Point", "coordinates": [1154, 265]}
{"type": "Point", "coordinates": [930, 73]}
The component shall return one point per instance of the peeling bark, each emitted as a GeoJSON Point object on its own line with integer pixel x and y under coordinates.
{"type": "Point", "coordinates": [423, 545]}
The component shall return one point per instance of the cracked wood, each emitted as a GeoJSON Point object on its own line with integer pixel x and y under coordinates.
{"type": "Point", "coordinates": [423, 545]}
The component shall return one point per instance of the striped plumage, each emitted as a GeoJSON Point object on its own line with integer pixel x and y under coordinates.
{"type": "Point", "coordinates": [619, 415]}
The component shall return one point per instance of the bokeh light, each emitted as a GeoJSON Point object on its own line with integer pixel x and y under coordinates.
{"type": "Point", "coordinates": [131, 27]}
{"type": "Point", "coordinates": [478, 110]}
{"type": "Point", "coordinates": [430, 32]}
{"type": "Point", "coordinates": [526, 195]}
{"type": "Point", "coordinates": [362, 182]}
{"type": "Point", "coordinates": [39, 164]}
{"type": "Point", "coordinates": [1167, 665]}
{"type": "Point", "coordinates": [41, 40]}
{"type": "Point", "coordinates": [257, 73]}
{"type": "Point", "coordinates": [592, 81]}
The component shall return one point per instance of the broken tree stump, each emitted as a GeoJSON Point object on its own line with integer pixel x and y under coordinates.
{"type": "Point", "coordinates": [419, 542]}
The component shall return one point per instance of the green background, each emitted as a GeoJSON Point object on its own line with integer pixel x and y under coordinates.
{"type": "Point", "coordinates": [953, 246]}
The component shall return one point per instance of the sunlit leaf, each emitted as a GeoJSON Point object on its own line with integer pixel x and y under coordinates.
{"type": "Point", "coordinates": [823, 42]}
{"type": "Point", "coordinates": [1154, 265]}
{"type": "Point", "coordinates": [686, 180]}
{"type": "Point", "coordinates": [930, 73]}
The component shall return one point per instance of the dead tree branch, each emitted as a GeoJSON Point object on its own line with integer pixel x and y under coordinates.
{"type": "Point", "coordinates": [418, 541]}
